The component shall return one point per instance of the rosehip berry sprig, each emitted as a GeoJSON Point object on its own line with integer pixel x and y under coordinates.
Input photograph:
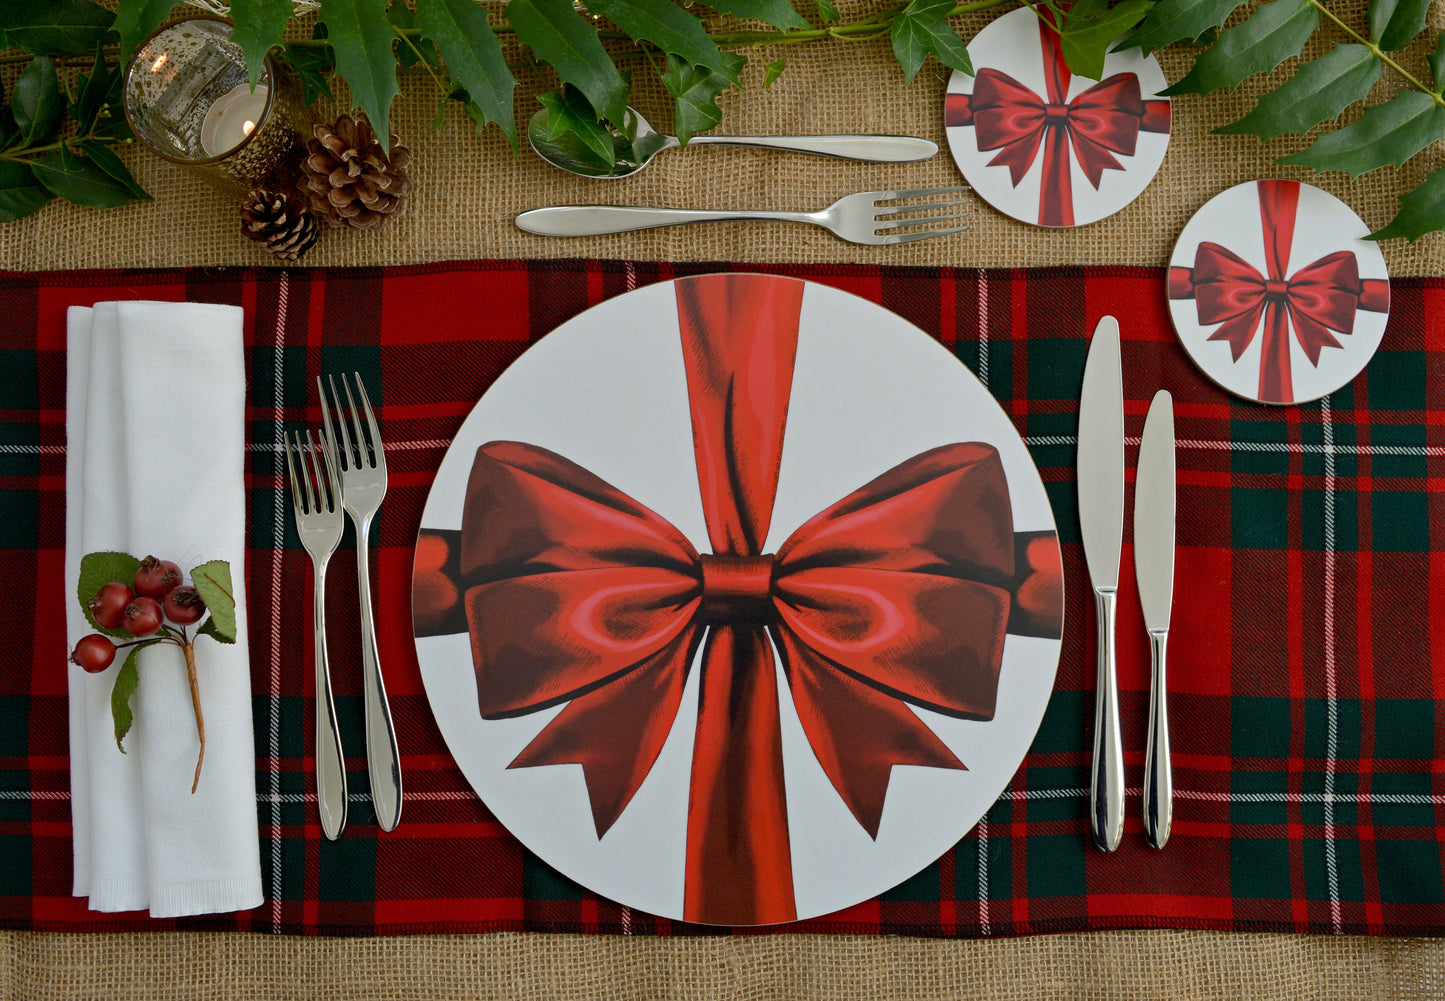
{"type": "Point", "coordinates": [143, 603]}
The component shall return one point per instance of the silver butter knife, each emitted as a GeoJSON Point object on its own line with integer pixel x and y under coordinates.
{"type": "Point", "coordinates": [1101, 524]}
{"type": "Point", "coordinates": [1154, 570]}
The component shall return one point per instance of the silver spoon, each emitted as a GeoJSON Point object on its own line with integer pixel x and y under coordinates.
{"type": "Point", "coordinates": [637, 142]}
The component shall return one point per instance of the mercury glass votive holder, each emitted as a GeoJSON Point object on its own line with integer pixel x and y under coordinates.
{"type": "Point", "coordinates": [189, 100]}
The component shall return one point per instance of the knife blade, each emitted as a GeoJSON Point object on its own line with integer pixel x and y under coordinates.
{"type": "Point", "coordinates": [1154, 571]}
{"type": "Point", "coordinates": [1101, 525]}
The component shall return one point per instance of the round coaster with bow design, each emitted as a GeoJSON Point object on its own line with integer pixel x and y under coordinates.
{"type": "Point", "coordinates": [705, 567]}
{"type": "Point", "coordinates": [1048, 147]}
{"type": "Point", "coordinates": [1275, 293]}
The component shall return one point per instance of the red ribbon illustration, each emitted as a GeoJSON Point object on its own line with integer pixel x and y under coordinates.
{"type": "Point", "coordinates": [898, 594]}
{"type": "Point", "coordinates": [1317, 300]}
{"type": "Point", "coordinates": [1103, 121]}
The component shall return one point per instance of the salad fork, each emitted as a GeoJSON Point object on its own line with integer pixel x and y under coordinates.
{"type": "Point", "coordinates": [318, 524]}
{"type": "Point", "coordinates": [360, 460]}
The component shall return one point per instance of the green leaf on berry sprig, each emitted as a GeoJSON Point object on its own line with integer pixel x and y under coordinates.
{"type": "Point", "coordinates": [126, 681]}
{"type": "Point", "coordinates": [97, 570]}
{"type": "Point", "coordinates": [213, 581]}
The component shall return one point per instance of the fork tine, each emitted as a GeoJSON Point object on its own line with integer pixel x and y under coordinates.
{"type": "Point", "coordinates": [910, 237]}
{"type": "Point", "coordinates": [326, 405]}
{"type": "Point", "coordinates": [316, 456]}
{"type": "Point", "coordinates": [888, 196]}
{"type": "Point", "coordinates": [378, 450]}
{"type": "Point", "coordinates": [900, 223]}
{"type": "Point", "coordinates": [344, 458]}
{"type": "Point", "coordinates": [363, 452]}
{"type": "Point", "coordinates": [297, 498]}
{"type": "Point", "coordinates": [303, 460]}
{"type": "Point", "coordinates": [883, 210]}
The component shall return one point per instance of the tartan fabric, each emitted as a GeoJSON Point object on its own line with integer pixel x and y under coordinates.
{"type": "Point", "coordinates": [1307, 655]}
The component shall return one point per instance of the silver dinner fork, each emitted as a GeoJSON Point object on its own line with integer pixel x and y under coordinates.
{"type": "Point", "coordinates": [869, 217]}
{"type": "Point", "coordinates": [361, 461]}
{"type": "Point", "coordinates": [319, 523]}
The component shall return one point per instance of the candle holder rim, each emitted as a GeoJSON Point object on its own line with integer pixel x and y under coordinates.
{"type": "Point", "coordinates": [186, 161]}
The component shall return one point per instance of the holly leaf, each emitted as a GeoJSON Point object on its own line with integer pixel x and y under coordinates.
{"type": "Point", "coordinates": [136, 19]}
{"type": "Point", "coordinates": [91, 90]}
{"type": "Point", "coordinates": [779, 13]}
{"type": "Point", "coordinates": [459, 30]}
{"type": "Point", "coordinates": [1385, 134]}
{"type": "Point", "coordinates": [20, 193]}
{"type": "Point", "coordinates": [1170, 21]}
{"type": "Point", "coordinates": [922, 27]}
{"type": "Point", "coordinates": [827, 11]}
{"type": "Point", "coordinates": [1275, 32]}
{"type": "Point", "coordinates": [361, 37]}
{"type": "Point", "coordinates": [569, 114]}
{"type": "Point", "coordinates": [1091, 26]}
{"type": "Point", "coordinates": [411, 51]}
{"type": "Point", "coordinates": [104, 157]}
{"type": "Point", "coordinates": [213, 581]}
{"type": "Point", "coordinates": [1395, 23]}
{"type": "Point", "coordinates": [1321, 89]}
{"type": "Point", "coordinates": [127, 680]}
{"type": "Point", "coordinates": [1421, 211]}
{"type": "Point", "coordinates": [568, 42]}
{"type": "Point", "coordinates": [774, 70]}
{"type": "Point", "coordinates": [79, 181]}
{"type": "Point", "coordinates": [97, 570]}
{"type": "Point", "coordinates": [62, 26]}
{"type": "Point", "coordinates": [311, 64]}
{"type": "Point", "coordinates": [670, 28]}
{"type": "Point", "coordinates": [37, 103]}
{"type": "Point", "coordinates": [694, 90]}
{"type": "Point", "coordinates": [259, 26]}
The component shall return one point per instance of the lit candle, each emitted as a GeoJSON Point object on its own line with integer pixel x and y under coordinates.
{"type": "Point", "coordinates": [232, 118]}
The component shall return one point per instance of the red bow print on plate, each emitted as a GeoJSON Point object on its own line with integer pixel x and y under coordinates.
{"type": "Point", "coordinates": [1103, 121]}
{"type": "Point", "coordinates": [898, 594]}
{"type": "Point", "coordinates": [1317, 300]}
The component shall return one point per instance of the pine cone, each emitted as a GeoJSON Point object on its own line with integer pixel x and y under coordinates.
{"type": "Point", "coordinates": [281, 221]}
{"type": "Point", "coordinates": [349, 180]}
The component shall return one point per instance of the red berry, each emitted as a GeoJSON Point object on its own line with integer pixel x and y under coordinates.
{"type": "Point", "coordinates": [184, 605]}
{"type": "Point", "coordinates": [153, 578]}
{"type": "Point", "coordinates": [93, 653]}
{"type": "Point", "coordinates": [109, 603]}
{"type": "Point", "coordinates": [143, 616]}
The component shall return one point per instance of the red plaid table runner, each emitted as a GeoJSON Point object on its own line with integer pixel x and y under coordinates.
{"type": "Point", "coordinates": [1308, 692]}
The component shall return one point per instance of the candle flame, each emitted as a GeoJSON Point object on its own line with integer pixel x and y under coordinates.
{"type": "Point", "coordinates": [248, 127]}
{"type": "Point", "coordinates": [161, 61]}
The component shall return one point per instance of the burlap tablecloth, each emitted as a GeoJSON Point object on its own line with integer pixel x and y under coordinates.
{"type": "Point", "coordinates": [468, 188]}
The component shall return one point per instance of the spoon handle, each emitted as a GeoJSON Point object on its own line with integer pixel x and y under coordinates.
{"type": "Point", "coordinates": [874, 149]}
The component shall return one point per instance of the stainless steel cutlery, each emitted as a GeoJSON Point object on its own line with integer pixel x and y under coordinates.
{"type": "Point", "coordinates": [1154, 571]}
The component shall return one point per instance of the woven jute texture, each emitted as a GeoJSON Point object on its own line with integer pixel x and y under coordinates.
{"type": "Point", "coordinates": [469, 188]}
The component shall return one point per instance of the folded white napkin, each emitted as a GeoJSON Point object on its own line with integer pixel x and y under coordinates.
{"type": "Point", "coordinates": [155, 428]}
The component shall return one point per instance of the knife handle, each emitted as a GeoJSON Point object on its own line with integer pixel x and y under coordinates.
{"type": "Point", "coordinates": [1106, 785]}
{"type": "Point", "coordinates": [1158, 775]}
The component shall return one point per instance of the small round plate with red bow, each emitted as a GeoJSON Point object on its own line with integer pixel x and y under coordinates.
{"type": "Point", "coordinates": [1044, 145]}
{"type": "Point", "coordinates": [738, 599]}
{"type": "Point", "coordinates": [1275, 293]}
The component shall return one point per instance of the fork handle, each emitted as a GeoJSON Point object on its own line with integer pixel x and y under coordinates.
{"type": "Point", "coordinates": [383, 761]}
{"type": "Point", "coordinates": [330, 761]}
{"type": "Point", "coordinates": [595, 220]}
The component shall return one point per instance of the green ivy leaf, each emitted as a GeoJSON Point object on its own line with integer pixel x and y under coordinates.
{"type": "Point", "coordinates": [473, 55]}
{"type": "Point", "coordinates": [1275, 32]}
{"type": "Point", "coordinates": [779, 13]}
{"type": "Point", "coordinates": [80, 182]}
{"type": "Point", "coordinates": [37, 103]}
{"type": "Point", "coordinates": [64, 26]}
{"type": "Point", "coordinates": [361, 37]}
{"type": "Point", "coordinates": [774, 70]}
{"type": "Point", "coordinates": [97, 570]}
{"type": "Point", "coordinates": [1421, 211]}
{"type": "Point", "coordinates": [1321, 89]}
{"type": "Point", "coordinates": [565, 40]}
{"type": "Point", "coordinates": [827, 12]}
{"type": "Point", "coordinates": [1170, 21]}
{"type": "Point", "coordinates": [104, 157]}
{"type": "Point", "coordinates": [1091, 26]}
{"type": "Point", "coordinates": [695, 90]}
{"type": "Point", "coordinates": [20, 193]}
{"type": "Point", "coordinates": [259, 26]}
{"type": "Point", "coordinates": [1395, 23]}
{"type": "Point", "coordinates": [311, 64]}
{"type": "Point", "coordinates": [571, 114]}
{"type": "Point", "coordinates": [1437, 64]}
{"type": "Point", "coordinates": [127, 680]}
{"type": "Point", "coordinates": [667, 26]}
{"type": "Point", "coordinates": [922, 27]}
{"type": "Point", "coordinates": [213, 581]}
{"type": "Point", "coordinates": [136, 19]}
{"type": "Point", "coordinates": [1385, 134]}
